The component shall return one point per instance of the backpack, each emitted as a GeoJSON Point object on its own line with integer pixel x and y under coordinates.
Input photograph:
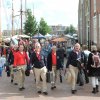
{"type": "Point", "coordinates": [96, 60]}
{"type": "Point", "coordinates": [86, 55]}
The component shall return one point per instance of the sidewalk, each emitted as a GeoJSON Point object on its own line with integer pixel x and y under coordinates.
{"type": "Point", "coordinates": [10, 92]}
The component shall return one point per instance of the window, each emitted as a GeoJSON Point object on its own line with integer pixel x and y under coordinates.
{"type": "Point", "coordinates": [99, 26]}
{"type": "Point", "coordinates": [94, 6]}
{"type": "Point", "coordinates": [81, 1]}
{"type": "Point", "coordinates": [95, 29]}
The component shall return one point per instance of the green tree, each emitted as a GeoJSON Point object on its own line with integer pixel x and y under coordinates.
{"type": "Point", "coordinates": [30, 27]}
{"type": "Point", "coordinates": [67, 30]}
{"type": "Point", "coordinates": [43, 27]}
{"type": "Point", "coordinates": [70, 30]}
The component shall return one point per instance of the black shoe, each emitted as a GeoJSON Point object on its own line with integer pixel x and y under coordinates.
{"type": "Point", "coordinates": [15, 83]}
{"type": "Point", "coordinates": [87, 81]}
{"type": "Point", "coordinates": [11, 80]}
{"type": "Point", "coordinates": [74, 91]}
{"type": "Point", "coordinates": [23, 88]}
{"type": "Point", "coordinates": [20, 89]}
{"type": "Point", "coordinates": [45, 93]}
{"type": "Point", "coordinates": [97, 88]}
{"type": "Point", "coordinates": [94, 90]}
{"type": "Point", "coordinates": [81, 84]}
{"type": "Point", "coordinates": [39, 92]}
{"type": "Point", "coordinates": [53, 87]}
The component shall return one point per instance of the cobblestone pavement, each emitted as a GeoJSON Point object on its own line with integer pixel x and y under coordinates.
{"type": "Point", "coordinates": [9, 91]}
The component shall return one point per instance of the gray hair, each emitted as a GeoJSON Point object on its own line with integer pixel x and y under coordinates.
{"type": "Point", "coordinates": [93, 47]}
{"type": "Point", "coordinates": [37, 44]}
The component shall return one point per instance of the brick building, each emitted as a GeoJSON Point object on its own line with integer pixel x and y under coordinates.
{"type": "Point", "coordinates": [89, 22]}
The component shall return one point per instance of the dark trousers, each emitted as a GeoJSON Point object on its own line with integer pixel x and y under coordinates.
{"type": "Point", "coordinates": [81, 80]}
{"type": "Point", "coordinates": [86, 76]}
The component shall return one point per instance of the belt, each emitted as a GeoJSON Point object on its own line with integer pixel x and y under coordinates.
{"type": "Point", "coordinates": [53, 65]}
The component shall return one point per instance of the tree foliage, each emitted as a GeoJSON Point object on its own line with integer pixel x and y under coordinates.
{"type": "Point", "coordinates": [67, 31]}
{"type": "Point", "coordinates": [43, 27]}
{"type": "Point", "coordinates": [30, 25]}
{"type": "Point", "coordinates": [70, 30]}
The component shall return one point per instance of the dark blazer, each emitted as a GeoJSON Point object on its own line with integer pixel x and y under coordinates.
{"type": "Point", "coordinates": [49, 61]}
{"type": "Point", "coordinates": [36, 62]}
{"type": "Point", "coordinates": [72, 59]}
{"type": "Point", "coordinates": [11, 58]}
{"type": "Point", "coordinates": [92, 71]}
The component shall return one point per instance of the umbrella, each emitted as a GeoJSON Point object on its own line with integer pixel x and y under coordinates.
{"type": "Point", "coordinates": [20, 36]}
{"type": "Point", "coordinates": [38, 36]}
{"type": "Point", "coordinates": [59, 40]}
{"type": "Point", "coordinates": [7, 39]}
{"type": "Point", "coordinates": [48, 35]}
{"type": "Point", "coordinates": [69, 36]}
{"type": "Point", "coordinates": [14, 41]}
{"type": "Point", "coordinates": [15, 37]}
{"type": "Point", "coordinates": [24, 36]}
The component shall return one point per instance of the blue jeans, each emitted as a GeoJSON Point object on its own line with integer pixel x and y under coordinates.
{"type": "Point", "coordinates": [1, 71]}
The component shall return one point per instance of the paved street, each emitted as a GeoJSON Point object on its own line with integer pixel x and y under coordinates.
{"type": "Point", "coordinates": [10, 92]}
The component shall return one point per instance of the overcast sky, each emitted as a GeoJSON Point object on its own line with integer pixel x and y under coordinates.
{"type": "Point", "coordinates": [54, 12]}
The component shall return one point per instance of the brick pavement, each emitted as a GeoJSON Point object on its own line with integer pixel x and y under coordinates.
{"type": "Point", "coordinates": [10, 92]}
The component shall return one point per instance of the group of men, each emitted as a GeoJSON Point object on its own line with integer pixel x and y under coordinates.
{"type": "Point", "coordinates": [45, 59]}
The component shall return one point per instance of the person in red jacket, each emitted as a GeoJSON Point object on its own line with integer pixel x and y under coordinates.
{"type": "Point", "coordinates": [20, 61]}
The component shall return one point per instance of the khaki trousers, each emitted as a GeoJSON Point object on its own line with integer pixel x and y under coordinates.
{"type": "Point", "coordinates": [74, 73]}
{"type": "Point", "coordinates": [15, 77]}
{"type": "Point", "coordinates": [11, 72]}
{"type": "Point", "coordinates": [41, 73]}
{"type": "Point", "coordinates": [56, 74]}
{"type": "Point", "coordinates": [21, 75]}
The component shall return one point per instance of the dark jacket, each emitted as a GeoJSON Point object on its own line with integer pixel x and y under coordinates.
{"type": "Point", "coordinates": [72, 59]}
{"type": "Point", "coordinates": [36, 62]}
{"type": "Point", "coordinates": [92, 71]}
{"type": "Point", "coordinates": [61, 52]}
{"type": "Point", "coordinates": [11, 58]}
{"type": "Point", "coordinates": [49, 61]}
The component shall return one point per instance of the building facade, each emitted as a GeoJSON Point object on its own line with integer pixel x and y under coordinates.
{"type": "Point", "coordinates": [58, 29]}
{"type": "Point", "coordinates": [8, 33]}
{"type": "Point", "coordinates": [89, 22]}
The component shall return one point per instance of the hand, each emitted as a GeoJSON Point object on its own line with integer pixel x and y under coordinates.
{"type": "Point", "coordinates": [14, 66]}
{"type": "Point", "coordinates": [87, 71]}
{"type": "Point", "coordinates": [5, 69]}
{"type": "Point", "coordinates": [31, 71]}
{"type": "Point", "coordinates": [82, 65]}
{"type": "Point", "coordinates": [67, 69]}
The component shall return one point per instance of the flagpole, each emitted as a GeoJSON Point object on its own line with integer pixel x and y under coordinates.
{"type": "Point", "coordinates": [0, 21]}
{"type": "Point", "coordinates": [21, 16]}
{"type": "Point", "coordinates": [12, 19]}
